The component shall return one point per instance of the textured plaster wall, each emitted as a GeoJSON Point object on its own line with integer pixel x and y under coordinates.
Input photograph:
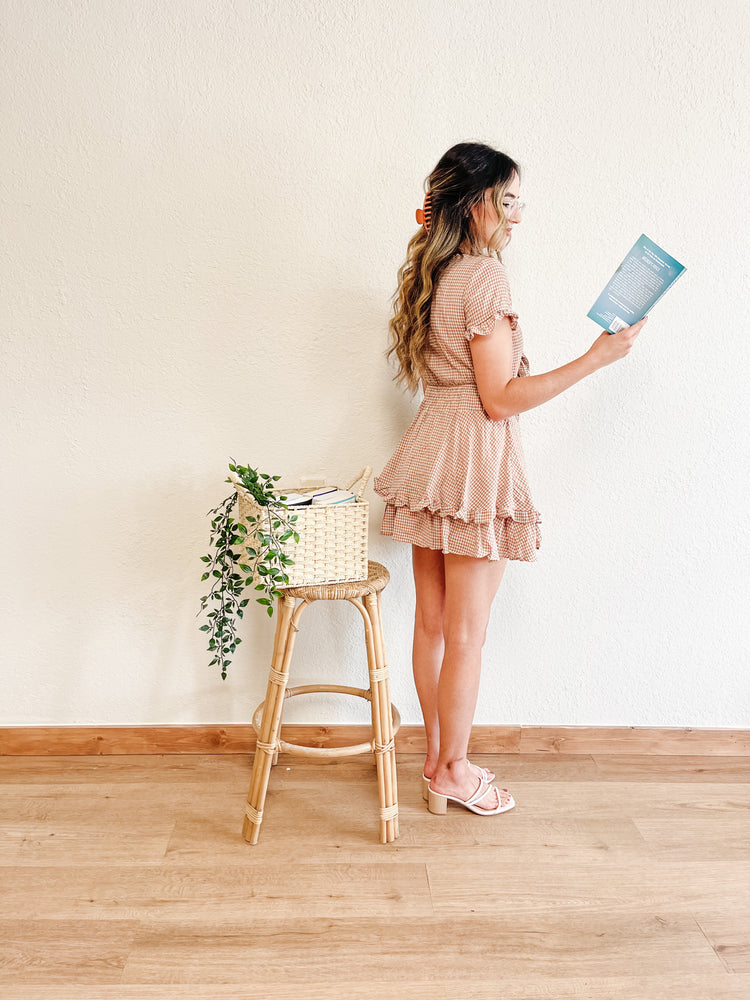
{"type": "Point", "coordinates": [204, 208]}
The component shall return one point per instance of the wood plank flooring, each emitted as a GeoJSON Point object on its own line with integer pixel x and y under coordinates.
{"type": "Point", "coordinates": [615, 877]}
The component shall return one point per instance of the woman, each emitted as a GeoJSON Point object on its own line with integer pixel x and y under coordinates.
{"type": "Point", "coordinates": [456, 487]}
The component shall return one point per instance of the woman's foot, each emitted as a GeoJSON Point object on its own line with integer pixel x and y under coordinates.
{"type": "Point", "coordinates": [478, 772]}
{"type": "Point", "coordinates": [458, 782]}
{"type": "Point", "coordinates": [483, 773]}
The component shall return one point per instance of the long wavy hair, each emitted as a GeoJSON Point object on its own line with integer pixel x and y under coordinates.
{"type": "Point", "coordinates": [456, 185]}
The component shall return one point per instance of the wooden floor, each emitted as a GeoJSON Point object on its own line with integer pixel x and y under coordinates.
{"type": "Point", "coordinates": [614, 877]}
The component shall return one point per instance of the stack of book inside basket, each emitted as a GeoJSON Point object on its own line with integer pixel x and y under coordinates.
{"type": "Point", "coordinates": [322, 495]}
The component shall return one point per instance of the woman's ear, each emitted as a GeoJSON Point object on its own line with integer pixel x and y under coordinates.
{"type": "Point", "coordinates": [476, 216]}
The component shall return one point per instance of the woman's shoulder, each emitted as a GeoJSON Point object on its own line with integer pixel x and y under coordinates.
{"type": "Point", "coordinates": [485, 274]}
{"type": "Point", "coordinates": [484, 264]}
{"type": "Point", "coordinates": [479, 269]}
{"type": "Point", "coordinates": [473, 277]}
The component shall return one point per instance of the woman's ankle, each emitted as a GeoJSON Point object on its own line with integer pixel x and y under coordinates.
{"type": "Point", "coordinates": [453, 771]}
{"type": "Point", "coordinates": [430, 764]}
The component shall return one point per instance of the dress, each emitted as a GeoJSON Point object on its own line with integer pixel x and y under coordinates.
{"type": "Point", "coordinates": [457, 480]}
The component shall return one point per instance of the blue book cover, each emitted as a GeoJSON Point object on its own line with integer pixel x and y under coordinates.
{"type": "Point", "coordinates": [636, 286]}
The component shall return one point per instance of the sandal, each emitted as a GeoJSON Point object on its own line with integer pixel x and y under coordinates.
{"type": "Point", "coordinates": [484, 775]}
{"type": "Point", "coordinates": [438, 804]}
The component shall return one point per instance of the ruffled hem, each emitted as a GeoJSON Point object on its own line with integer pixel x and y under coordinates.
{"type": "Point", "coordinates": [434, 506]}
{"type": "Point", "coordinates": [472, 472]}
{"type": "Point", "coordinates": [504, 538]}
{"type": "Point", "coordinates": [488, 325]}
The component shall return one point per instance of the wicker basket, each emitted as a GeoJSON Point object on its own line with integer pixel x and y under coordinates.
{"type": "Point", "coordinates": [332, 545]}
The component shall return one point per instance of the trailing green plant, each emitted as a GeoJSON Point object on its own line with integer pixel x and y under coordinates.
{"type": "Point", "coordinates": [244, 555]}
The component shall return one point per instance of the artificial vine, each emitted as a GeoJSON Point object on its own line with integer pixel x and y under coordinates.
{"type": "Point", "coordinates": [243, 555]}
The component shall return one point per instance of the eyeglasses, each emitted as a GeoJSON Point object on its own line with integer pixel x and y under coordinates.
{"type": "Point", "coordinates": [513, 205]}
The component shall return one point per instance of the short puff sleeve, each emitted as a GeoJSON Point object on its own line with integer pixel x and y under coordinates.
{"type": "Point", "coordinates": [487, 298]}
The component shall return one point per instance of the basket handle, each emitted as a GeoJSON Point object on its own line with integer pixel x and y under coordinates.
{"type": "Point", "coordinates": [242, 490]}
{"type": "Point", "coordinates": [361, 481]}
{"type": "Point", "coordinates": [237, 483]}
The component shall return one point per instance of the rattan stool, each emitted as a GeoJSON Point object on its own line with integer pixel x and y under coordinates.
{"type": "Point", "coordinates": [365, 596]}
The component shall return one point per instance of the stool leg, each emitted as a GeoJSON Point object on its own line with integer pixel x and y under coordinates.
{"type": "Point", "coordinates": [385, 753]}
{"type": "Point", "coordinates": [386, 695]}
{"type": "Point", "coordinates": [267, 744]}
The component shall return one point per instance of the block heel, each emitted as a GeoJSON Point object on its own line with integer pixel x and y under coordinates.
{"type": "Point", "coordinates": [436, 803]}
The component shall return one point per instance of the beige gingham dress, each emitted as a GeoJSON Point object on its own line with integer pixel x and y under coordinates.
{"type": "Point", "coordinates": [457, 481]}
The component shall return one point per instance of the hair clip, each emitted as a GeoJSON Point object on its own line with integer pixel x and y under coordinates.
{"type": "Point", "coordinates": [424, 214]}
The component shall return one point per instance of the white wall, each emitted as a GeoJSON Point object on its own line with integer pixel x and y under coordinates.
{"type": "Point", "coordinates": [205, 206]}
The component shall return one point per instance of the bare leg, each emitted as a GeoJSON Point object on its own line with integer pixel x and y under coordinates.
{"type": "Point", "coordinates": [428, 647]}
{"type": "Point", "coordinates": [470, 586]}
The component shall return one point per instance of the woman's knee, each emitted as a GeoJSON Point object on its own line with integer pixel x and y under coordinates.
{"type": "Point", "coordinates": [428, 620]}
{"type": "Point", "coordinates": [465, 635]}
{"type": "Point", "coordinates": [465, 624]}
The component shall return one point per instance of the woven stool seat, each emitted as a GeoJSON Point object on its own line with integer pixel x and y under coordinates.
{"type": "Point", "coordinates": [377, 577]}
{"type": "Point", "coordinates": [365, 595]}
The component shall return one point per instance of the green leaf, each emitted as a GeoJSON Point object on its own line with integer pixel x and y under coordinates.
{"type": "Point", "coordinates": [205, 628]}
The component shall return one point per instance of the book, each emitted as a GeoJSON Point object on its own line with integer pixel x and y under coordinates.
{"type": "Point", "coordinates": [321, 491]}
{"type": "Point", "coordinates": [291, 498]}
{"type": "Point", "coordinates": [322, 494]}
{"type": "Point", "coordinates": [646, 273]}
{"type": "Point", "coordinates": [337, 496]}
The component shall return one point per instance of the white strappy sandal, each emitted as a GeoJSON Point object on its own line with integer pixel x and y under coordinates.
{"type": "Point", "coordinates": [438, 804]}
{"type": "Point", "coordinates": [484, 775]}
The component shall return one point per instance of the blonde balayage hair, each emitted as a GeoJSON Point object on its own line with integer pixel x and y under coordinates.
{"type": "Point", "coordinates": [456, 185]}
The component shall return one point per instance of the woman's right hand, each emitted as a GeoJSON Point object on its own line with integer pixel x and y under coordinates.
{"type": "Point", "coordinates": [611, 347]}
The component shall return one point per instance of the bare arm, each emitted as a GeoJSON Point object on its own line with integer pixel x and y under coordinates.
{"type": "Point", "coordinates": [503, 395]}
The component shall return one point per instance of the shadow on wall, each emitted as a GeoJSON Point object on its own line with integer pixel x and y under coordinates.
{"type": "Point", "coordinates": [125, 605]}
{"type": "Point", "coordinates": [121, 565]}
{"type": "Point", "coordinates": [127, 565]}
